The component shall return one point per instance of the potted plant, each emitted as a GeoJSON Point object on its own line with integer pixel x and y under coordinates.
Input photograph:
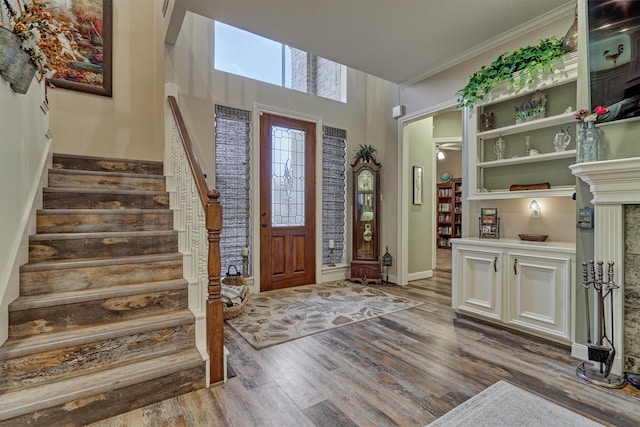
{"type": "Point", "coordinates": [46, 44]}
{"type": "Point", "coordinates": [366, 153]}
{"type": "Point", "coordinates": [527, 62]}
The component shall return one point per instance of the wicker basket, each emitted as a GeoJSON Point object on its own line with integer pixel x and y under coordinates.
{"type": "Point", "coordinates": [235, 280]}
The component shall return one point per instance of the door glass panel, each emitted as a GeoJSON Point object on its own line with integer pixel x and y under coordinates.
{"type": "Point", "coordinates": [287, 179]}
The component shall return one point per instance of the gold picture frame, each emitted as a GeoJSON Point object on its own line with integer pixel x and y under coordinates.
{"type": "Point", "coordinates": [93, 33]}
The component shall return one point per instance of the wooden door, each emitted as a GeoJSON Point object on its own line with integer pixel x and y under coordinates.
{"type": "Point", "coordinates": [287, 202]}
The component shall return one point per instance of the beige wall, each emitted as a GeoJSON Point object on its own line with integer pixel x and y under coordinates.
{"type": "Point", "coordinates": [366, 116]}
{"type": "Point", "coordinates": [419, 137]}
{"type": "Point", "coordinates": [129, 124]}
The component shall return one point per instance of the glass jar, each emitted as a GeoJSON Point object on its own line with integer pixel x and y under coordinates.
{"type": "Point", "coordinates": [591, 143]}
{"type": "Point", "coordinates": [580, 142]}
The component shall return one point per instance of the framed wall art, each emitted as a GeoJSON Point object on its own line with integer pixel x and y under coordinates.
{"type": "Point", "coordinates": [92, 21]}
{"type": "Point", "coordinates": [417, 185]}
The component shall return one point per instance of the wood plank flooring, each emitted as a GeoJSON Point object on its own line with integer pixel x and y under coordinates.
{"type": "Point", "coordinates": [403, 369]}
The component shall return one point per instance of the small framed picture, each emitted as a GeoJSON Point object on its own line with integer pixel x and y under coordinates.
{"type": "Point", "coordinates": [585, 218]}
{"type": "Point", "coordinates": [489, 223]}
{"type": "Point", "coordinates": [417, 185]}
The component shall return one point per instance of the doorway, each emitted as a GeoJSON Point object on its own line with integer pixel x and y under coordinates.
{"type": "Point", "coordinates": [287, 202]}
{"type": "Point", "coordinates": [421, 133]}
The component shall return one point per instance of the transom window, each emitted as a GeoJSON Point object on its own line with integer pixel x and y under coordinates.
{"type": "Point", "coordinates": [250, 55]}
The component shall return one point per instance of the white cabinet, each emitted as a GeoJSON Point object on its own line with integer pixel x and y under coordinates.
{"type": "Point", "coordinates": [523, 285]}
{"type": "Point", "coordinates": [490, 177]}
{"type": "Point", "coordinates": [480, 270]}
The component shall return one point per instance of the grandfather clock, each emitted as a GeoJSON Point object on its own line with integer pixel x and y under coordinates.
{"type": "Point", "coordinates": [365, 266]}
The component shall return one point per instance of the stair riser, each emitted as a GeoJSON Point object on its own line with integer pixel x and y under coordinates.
{"type": "Point", "coordinates": [116, 401]}
{"type": "Point", "coordinates": [55, 200]}
{"type": "Point", "coordinates": [65, 316]}
{"type": "Point", "coordinates": [71, 180]}
{"type": "Point", "coordinates": [49, 250]}
{"type": "Point", "coordinates": [75, 279]}
{"type": "Point", "coordinates": [107, 165]}
{"type": "Point", "coordinates": [74, 360]}
{"type": "Point", "coordinates": [97, 223]}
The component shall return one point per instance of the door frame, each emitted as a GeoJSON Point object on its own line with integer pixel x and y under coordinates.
{"type": "Point", "coordinates": [405, 182]}
{"type": "Point", "coordinates": [254, 208]}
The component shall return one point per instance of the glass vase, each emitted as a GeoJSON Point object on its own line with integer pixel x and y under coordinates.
{"type": "Point", "coordinates": [591, 143]}
{"type": "Point", "coordinates": [580, 142]}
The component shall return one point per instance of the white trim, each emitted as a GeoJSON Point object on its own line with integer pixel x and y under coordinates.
{"type": "Point", "coordinates": [258, 109]}
{"type": "Point", "coordinates": [421, 275]}
{"type": "Point", "coordinates": [402, 272]}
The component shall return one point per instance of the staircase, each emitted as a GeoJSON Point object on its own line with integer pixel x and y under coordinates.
{"type": "Point", "coordinates": [101, 326]}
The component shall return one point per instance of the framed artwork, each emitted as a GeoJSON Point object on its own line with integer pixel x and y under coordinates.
{"type": "Point", "coordinates": [614, 66]}
{"type": "Point", "coordinates": [585, 218]}
{"type": "Point", "coordinates": [417, 185]}
{"type": "Point", "coordinates": [91, 70]}
{"type": "Point", "coordinates": [489, 223]}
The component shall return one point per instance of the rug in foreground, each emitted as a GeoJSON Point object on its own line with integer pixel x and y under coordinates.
{"type": "Point", "coordinates": [274, 317]}
{"type": "Point", "coordinates": [504, 404]}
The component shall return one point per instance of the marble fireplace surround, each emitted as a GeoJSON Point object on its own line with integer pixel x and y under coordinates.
{"type": "Point", "coordinates": [613, 184]}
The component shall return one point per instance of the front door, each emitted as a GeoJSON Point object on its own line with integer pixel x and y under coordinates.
{"type": "Point", "coordinates": [287, 202]}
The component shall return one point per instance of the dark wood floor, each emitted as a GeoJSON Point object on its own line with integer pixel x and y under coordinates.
{"type": "Point", "coordinates": [404, 369]}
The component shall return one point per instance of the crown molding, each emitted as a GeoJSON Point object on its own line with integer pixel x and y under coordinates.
{"type": "Point", "coordinates": [556, 14]}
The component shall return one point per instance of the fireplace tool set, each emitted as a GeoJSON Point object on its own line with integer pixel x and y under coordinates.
{"type": "Point", "coordinates": [602, 351]}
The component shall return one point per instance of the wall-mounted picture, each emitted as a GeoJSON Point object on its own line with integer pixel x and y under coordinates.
{"type": "Point", "coordinates": [585, 218]}
{"type": "Point", "coordinates": [417, 185]}
{"type": "Point", "coordinates": [489, 223]}
{"type": "Point", "coordinates": [88, 43]}
{"type": "Point", "coordinates": [614, 61]}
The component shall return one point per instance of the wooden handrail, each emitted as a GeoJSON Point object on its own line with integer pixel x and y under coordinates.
{"type": "Point", "coordinates": [213, 223]}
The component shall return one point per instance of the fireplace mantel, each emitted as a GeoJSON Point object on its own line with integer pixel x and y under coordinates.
{"type": "Point", "coordinates": [611, 181]}
{"type": "Point", "coordinates": [613, 184]}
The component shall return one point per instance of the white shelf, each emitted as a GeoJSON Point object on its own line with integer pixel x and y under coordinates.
{"type": "Point", "coordinates": [560, 119]}
{"type": "Point", "coordinates": [528, 159]}
{"type": "Point", "coordinates": [447, 139]}
{"type": "Point", "coordinates": [506, 194]}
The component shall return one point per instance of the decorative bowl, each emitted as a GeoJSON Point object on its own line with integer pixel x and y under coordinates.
{"type": "Point", "coordinates": [533, 237]}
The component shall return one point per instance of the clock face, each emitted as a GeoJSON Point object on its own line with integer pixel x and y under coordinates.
{"type": "Point", "coordinates": [365, 181]}
{"type": "Point", "coordinates": [445, 176]}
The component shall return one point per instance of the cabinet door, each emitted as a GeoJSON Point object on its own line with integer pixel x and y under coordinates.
{"type": "Point", "coordinates": [538, 293]}
{"type": "Point", "coordinates": [478, 282]}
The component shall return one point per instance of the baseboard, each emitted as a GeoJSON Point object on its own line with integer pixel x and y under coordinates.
{"type": "Point", "coordinates": [420, 275]}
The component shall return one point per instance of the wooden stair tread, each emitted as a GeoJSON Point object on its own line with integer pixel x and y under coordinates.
{"type": "Point", "coordinates": [92, 294]}
{"type": "Point", "coordinates": [80, 190]}
{"type": "Point", "coordinates": [106, 174]}
{"type": "Point", "coordinates": [100, 235]}
{"type": "Point", "coordinates": [57, 156]}
{"type": "Point", "coordinates": [97, 262]}
{"type": "Point", "coordinates": [29, 400]}
{"type": "Point", "coordinates": [87, 211]}
{"type": "Point", "coordinates": [82, 335]}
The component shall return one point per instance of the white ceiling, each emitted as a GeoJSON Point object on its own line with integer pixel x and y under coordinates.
{"type": "Point", "coordinates": [401, 41]}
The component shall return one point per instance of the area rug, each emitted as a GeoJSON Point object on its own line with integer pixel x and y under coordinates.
{"type": "Point", "coordinates": [274, 317]}
{"type": "Point", "coordinates": [504, 404]}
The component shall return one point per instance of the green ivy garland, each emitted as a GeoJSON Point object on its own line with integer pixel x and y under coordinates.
{"type": "Point", "coordinates": [528, 61]}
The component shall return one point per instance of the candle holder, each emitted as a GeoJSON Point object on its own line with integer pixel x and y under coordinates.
{"type": "Point", "coordinates": [331, 263]}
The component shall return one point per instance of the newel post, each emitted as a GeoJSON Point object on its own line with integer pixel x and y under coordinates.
{"type": "Point", "coordinates": [215, 313]}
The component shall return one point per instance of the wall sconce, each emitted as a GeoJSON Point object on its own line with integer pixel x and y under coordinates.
{"type": "Point", "coordinates": [535, 209]}
{"type": "Point", "coordinates": [439, 153]}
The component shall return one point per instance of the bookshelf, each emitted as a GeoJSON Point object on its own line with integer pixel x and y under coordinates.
{"type": "Point", "coordinates": [449, 212]}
